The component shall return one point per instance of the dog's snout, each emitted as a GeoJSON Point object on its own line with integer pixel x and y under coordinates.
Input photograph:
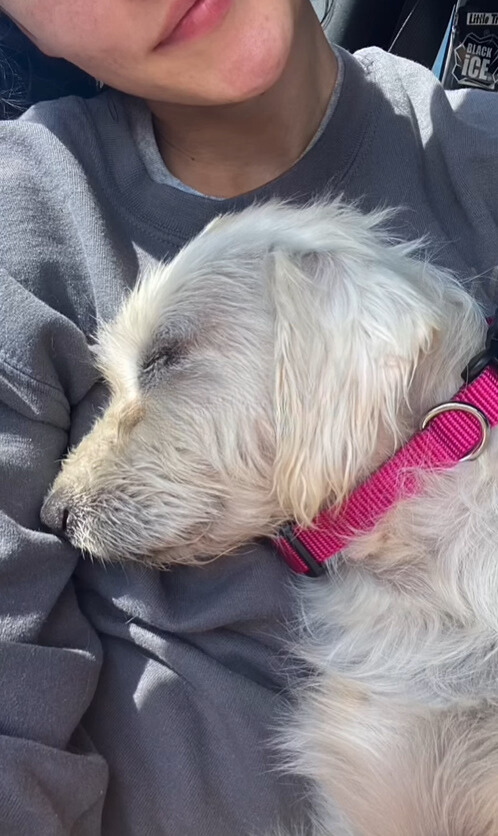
{"type": "Point", "coordinates": [55, 513]}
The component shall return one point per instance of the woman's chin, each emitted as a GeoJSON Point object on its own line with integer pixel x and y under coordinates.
{"type": "Point", "coordinates": [243, 60]}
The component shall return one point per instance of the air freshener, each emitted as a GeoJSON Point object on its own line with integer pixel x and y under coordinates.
{"type": "Point", "coordinates": [472, 57]}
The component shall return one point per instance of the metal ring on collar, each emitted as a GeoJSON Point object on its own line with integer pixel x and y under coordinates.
{"type": "Point", "coordinates": [470, 410]}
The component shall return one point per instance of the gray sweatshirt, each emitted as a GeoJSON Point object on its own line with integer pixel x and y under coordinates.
{"type": "Point", "coordinates": [135, 702]}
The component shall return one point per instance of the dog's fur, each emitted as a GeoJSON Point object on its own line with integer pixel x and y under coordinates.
{"type": "Point", "coordinates": [278, 360]}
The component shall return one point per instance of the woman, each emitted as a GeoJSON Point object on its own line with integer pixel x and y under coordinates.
{"type": "Point", "coordinates": [132, 701]}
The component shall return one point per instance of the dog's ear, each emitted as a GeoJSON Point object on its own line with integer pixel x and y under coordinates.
{"type": "Point", "coordinates": [348, 336]}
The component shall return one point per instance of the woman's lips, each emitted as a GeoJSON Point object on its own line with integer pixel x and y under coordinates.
{"type": "Point", "coordinates": [198, 19]}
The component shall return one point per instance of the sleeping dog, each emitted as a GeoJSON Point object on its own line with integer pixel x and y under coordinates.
{"type": "Point", "coordinates": [261, 376]}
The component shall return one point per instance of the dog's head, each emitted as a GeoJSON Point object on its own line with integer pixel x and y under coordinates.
{"type": "Point", "coordinates": [258, 376]}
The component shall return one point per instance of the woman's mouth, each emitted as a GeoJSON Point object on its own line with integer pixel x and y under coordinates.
{"type": "Point", "coordinates": [194, 19]}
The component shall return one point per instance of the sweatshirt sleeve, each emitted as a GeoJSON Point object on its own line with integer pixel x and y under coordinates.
{"type": "Point", "coordinates": [51, 781]}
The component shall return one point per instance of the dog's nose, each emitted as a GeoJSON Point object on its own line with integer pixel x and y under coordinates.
{"type": "Point", "coordinates": [55, 513]}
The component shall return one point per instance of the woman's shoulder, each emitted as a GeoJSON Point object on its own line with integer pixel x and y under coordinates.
{"type": "Point", "coordinates": [53, 171]}
{"type": "Point", "coordinates": [57, 256]}
{"type": "Point", "coordinates": [455, 132]}
{"type": "Point", "coordinates": [40, 176]}
{"type": "Point", "coordinates": [413, 89]}
{"type": "Point", "coordinates": [55, 261]}
{"type": "Point", "coordinates": [56, 138]}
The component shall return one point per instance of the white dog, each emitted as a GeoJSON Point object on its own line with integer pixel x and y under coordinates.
{"type": "Point", "coordinates": [265, 372]}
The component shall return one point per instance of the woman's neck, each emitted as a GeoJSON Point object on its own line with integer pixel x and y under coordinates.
{"type": "Point", "coordinates": [229, 150]}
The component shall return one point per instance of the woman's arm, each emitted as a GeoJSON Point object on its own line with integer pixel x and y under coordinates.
{"type": "Point", "coordinates": [51, 781]}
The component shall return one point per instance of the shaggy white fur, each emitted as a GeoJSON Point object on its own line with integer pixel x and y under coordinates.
{"type": "Point", "coordinates": [261, 375]}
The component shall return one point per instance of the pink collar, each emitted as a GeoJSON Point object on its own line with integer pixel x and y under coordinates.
{"type": "Point", "coordinates": [451, 433]}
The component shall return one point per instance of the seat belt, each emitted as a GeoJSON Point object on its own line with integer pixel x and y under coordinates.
{"type": "Point", "coordinates": [420, 30]}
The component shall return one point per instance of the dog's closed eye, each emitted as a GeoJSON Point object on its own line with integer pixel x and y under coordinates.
{"type": "Point", "coordinates": [165, 354]}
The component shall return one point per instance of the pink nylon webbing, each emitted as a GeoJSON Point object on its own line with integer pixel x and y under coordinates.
{"type": "Point", "coordinates": [446, 440]}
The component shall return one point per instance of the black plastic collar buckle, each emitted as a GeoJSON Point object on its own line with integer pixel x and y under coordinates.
{"type": "Point", "coordinates": [314, 567]}
{"type": "Point", "coordinates": [487, 357]}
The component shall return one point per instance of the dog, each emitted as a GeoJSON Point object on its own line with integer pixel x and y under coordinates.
{"type": "Point", "coordinates": [259, 377]}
